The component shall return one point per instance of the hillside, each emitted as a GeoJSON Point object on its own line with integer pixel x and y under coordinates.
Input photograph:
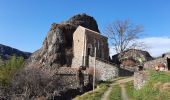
{"type": "Point", "coordinates": [6, 52]}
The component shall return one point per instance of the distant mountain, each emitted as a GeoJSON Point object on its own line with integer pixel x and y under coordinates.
{"type": "Point", "coordinates": [6, 52]}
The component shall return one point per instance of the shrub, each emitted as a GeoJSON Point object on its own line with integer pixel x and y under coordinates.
{"type": "Point", "coordinates": [9, 68]}
{"type": "Point", "coordinates": [7, 71]}
{"type": "Point", "coordinates": [32, 83]}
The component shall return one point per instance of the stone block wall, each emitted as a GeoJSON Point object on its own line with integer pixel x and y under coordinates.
{"type": "Point", "coordinates": [140, 78]}
{"type": "Point", "coordinates": [167, 55]}
{"type": "Point", "coordinates": [104, 70]}
{"type": "Point", "coordinates": [153, 63]}
{"type": "Point", "coordinates": [70, 78]}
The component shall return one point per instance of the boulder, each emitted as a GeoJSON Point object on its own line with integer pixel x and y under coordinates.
{"type": "Point", "coordinates": [134, 55]}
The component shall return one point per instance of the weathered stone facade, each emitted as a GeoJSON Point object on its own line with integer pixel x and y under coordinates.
{"type": "Point", "coordinates": [84, 43]}
{"type": "Point", "coordinates": [164, 59]}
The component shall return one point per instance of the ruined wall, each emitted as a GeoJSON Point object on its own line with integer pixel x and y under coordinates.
{"type": "Point", "coordinates": [153, 63]}
{"type": "Point", "coordinates": [167, 55]}
{"type": "Point", "coordinates": [104, 70]}
{"type": "Point", "coordinates": [140, 78]}
{"type": "Point", "coordinates": [70, 78]}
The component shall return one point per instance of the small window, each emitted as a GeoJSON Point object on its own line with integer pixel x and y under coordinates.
{"type": "Point", "coordinates": [89, 50]}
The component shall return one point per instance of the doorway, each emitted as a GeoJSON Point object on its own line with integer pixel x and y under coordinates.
{"type": "Point", "coordinates": [168, 63]}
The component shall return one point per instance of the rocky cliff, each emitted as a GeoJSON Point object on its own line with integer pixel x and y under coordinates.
{"type": "Point", "coordinates": [56, 50]}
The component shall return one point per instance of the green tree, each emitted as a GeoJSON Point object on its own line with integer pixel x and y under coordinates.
{"type": "Point", "coordinates": [9, 68]}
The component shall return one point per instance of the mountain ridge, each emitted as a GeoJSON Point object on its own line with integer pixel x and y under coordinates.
{"type": "Point", "coordinates": [7, 51]}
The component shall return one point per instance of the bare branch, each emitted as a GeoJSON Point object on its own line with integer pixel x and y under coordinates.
{"type": "Point", "coordinates": [123, 34]}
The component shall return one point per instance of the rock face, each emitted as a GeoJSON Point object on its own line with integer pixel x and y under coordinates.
{"type": "Point", "coordinates": [85, 21]}
{"type": "Point", "coordinates": [57, 47]}
{"type": "Point", "coordinates": [6, 52]}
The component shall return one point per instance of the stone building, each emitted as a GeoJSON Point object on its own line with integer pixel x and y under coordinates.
{"type": "Point", "coordinates": [85, 41]}
{"type": "Point", "coordinates": [162, 60]}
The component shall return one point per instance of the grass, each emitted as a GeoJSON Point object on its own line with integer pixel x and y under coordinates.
{"type": "Point", "coordinates": [115, 93]}
{"type": "Point", "coordinates": [96, 94]}
{"type": "Point", "coordinates": [99, 91]}
{"type": "Point", "coordinates": [116, 79]}
{"type": "Point", "coordinates": [150, 91]}
{"type": "Point", "coordinates": [130, 89]}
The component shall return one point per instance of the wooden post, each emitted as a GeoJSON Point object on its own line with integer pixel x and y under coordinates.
{"type": "Point", "coordinates": [94, 69]}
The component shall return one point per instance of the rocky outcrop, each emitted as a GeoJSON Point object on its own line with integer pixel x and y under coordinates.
{"type": "Point", "coordinates": [132, 54]}
{"type": "Point", "coordinates": [57, 47]}
{"type": "Point", "coordinates": [85, 21]}
{"type": "Point", "coordinates": [55, 55]}
{"type": "Point", "coordinates": [6, 52]}
{"type": "Point", "coordinates": [131, 60]}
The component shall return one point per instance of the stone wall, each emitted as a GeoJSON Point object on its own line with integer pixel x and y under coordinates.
{"type": "Point", "coordinates": [78, 47]}
{"type": "Point", "coordinates": [153, 63]}
{"type": "Point", "coordinates": [72, 79]}
{"type": "Point", "coordinates": [104, 70]}
{"type": "Point", "coordinates": [140, 78]}
{"type": "Point", "coordinates": [100, 42]}
{"type": "Point", "coordinates": [167, 55]}
{"type": "Point", "coordinates": [84, 43]}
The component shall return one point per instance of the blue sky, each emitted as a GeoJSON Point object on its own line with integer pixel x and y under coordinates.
{"type": "Point", "coordinates": [25, 23]}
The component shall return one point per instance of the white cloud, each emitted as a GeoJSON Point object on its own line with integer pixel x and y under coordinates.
{"type": "Point", "coordinates": [157, 45]}
{"type": "Point", "coordinates": [111, 51]}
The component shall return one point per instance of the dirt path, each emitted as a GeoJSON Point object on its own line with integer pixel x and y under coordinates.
{"type": "Point", "coordinates": [123, 91]}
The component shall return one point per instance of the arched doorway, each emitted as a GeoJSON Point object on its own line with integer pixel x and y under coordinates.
{"type": "Point", "coordinates": [89, 53]}
{"type": "Point", "coordinates": [89, 50]}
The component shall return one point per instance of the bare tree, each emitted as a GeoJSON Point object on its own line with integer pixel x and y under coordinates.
{"type": "Point", "coordinates": [123, 35]}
